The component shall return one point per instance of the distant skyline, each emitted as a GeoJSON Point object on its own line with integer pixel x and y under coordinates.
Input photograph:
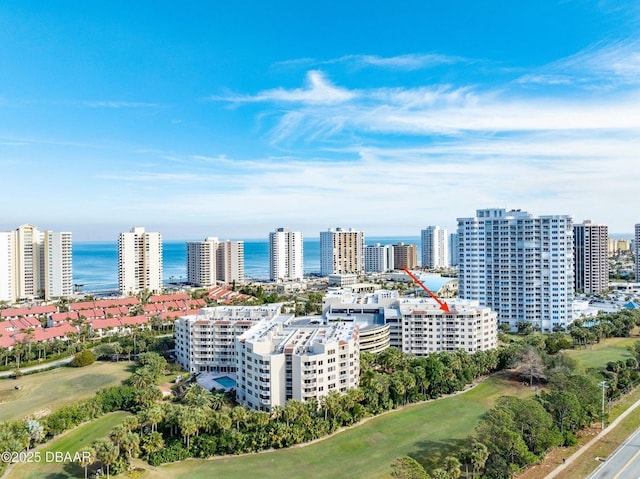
{"type": "Point", "coordinates": [231, 119]}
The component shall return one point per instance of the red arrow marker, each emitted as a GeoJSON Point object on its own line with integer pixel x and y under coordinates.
{"type": "Point", "coordinates": [443, 305]}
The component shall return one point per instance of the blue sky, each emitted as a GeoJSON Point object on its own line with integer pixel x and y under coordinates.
{"type": "Point", "coordinates": [232, 118]}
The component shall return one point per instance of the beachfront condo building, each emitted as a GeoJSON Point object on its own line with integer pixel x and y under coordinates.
{"type": "Point", "coordinates": [435, 247]}
{"type": "Point", "coordinates": [286, 255]}
{"type": "Point", "coordinates": [230, 259]}
{"type": "Point", "coordinates": [591, 245]}
{"type": "Point", "coordinates": [212, 261]}
{"type": "Point", "coordinates": [139, 262]}
{"type": "Point", "coordinates": [341, 251]}
{"type": "Point", "coordinates": [378, 258]}
{"type": "Point", "coordinates": [35, 264]}
{"type": "Point", "coordinates": [519, 265]}
{"type": "Point", "coordinates": [202, 265]}
{"type": "Point", "coordinates": [405, 256]}
{"type": "Point", "coordinates": [7, 280]}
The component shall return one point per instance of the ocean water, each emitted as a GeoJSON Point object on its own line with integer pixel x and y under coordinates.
{"type": "Point", "coordinates": [95, 263]}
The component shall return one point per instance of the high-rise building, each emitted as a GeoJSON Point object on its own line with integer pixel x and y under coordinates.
{"type": "Point", "coordinates": [405, 256]}
{"type": "Point", "coordinates": [519, 265]}
{"type": "Point", "coordinates": [591, 257]}
{"type": "Point", "coordinates": [341, 251]}
{"type": "Point", "coordinates": [378, 258]}
{"type": "Point", "coordinates": [213, 261]}
{"type": "Point", "coordinates": [29, 262]}
{"type": "Point", "coordinates": [58, 277]}
{"type": "Point", "coordinates": [35, 264]}
{"type": "Point", "coordinates": [139, 262]}
{"type": "Point", "coordinates": [286, 255]}
{"type": "Point", "coordinates": [454, 249]}
{"type": "Point", "coordinates": [637, 252]}
{"type": "Point", "coordinates": [7, 269]}
{"type": "Point", "coordinates": [435, 247]}
{"type": "Point", "coordinates": [202, 265]}
{"type": "Point", "coordinates": [230, 258]}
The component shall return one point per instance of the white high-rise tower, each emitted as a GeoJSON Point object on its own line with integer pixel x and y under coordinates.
{"type": "Point", "coordinates": [139, 262]}
{"type": "Point", "coordinates": [286, 255]}
{"type": "Point", "coordinates": [519, 265]}
{"type": "Point", "coordinates": [202, 262]}
{"type": "Point", "coordinates": [435, 247]}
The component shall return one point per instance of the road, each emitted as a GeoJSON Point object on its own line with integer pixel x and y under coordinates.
{"type": "Point", "coordinates": [51, 365]}
{"type": "Point", "coordinates": [624, 463]}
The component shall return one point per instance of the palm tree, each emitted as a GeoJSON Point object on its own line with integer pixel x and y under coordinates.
{"type": "Point", "coordinates": [117, 350]}
{"type": "Point", "coordinates": [187, 423]}
{"type": "Point", "coordinates": [197, 396]}
{"type": "Point", "coordinates": [452, 466]}
{"type": "Point", "coordinates": [151, 443]}
{"type": "Point", "coordinates": [87, 455]}
{"type": "Point", "coordinates": [152, 415]}
{"type": "Point", "coordinates": [238, 415]}
{"type": "Point", "coordinates": [41, 348]}
{"type": "Point", "coordinates": [218, 400]}
{"type": "Point", "coordinates": [479, 456]}
{"type": "Point", "coordinates": [141, 379]}
{"type": "Point", "coordinates": [131, 444]}
{"type": "Point", "coordinates": [106, 452]}
{"type": "Point", "coordinates": [117, 434]}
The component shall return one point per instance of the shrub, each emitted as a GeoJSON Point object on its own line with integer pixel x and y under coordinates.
{"type": "Point", "coordinates": [83, 358]}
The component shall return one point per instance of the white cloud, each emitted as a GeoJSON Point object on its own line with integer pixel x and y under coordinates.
{"type": "Point", "coordinates": [406, 62]}
{"type": "Point", "coordinates": [120, 104]}
{"type": "Point", "coordinates": [602, 65]}
{"type": "Point", "coordinates": [318, 91]}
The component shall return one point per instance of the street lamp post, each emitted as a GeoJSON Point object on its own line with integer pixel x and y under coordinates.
{"type": "Point", "coordinates": [603, 385]}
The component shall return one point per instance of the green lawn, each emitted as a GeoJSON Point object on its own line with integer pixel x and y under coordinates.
{"type": "Point", "coordinates": [425, 432]}
{"type": "Point", "coordinates": [598, 355]}
{"type": "Point", "coordinates": [71, 442]}
{"type": "Point", "coordinates": [45, 392]}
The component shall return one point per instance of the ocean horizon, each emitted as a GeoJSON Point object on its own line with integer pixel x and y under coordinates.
{"type": "Point", "coordinates": [95, 263]}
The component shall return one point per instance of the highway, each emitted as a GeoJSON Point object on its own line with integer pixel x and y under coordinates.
{"type": "Point", "coordinates": [624, 463]}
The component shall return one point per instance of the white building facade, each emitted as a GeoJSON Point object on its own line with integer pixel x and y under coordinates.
{"type": "Point", "coordinates": [202, 263]}
{"type": "Point", "coordinates": [58, 277]}
{"type": "Point", "coordinates": [519, 265]}
{"type": "Point", "coordinates": [435, 247]}
{"type": "Point", "coordinates": [280, 359]}
{"type": "Point", "coordinates": [591, 250]}
{"type": "Point", "coordinates": [35, 264]}
{"type": "Point", "coordinates": [286, 255]}
{"type": "Point", "coordinates": [205, 342]}
{"type": "Point", "coordinates": [7, 279]}
{"type": "Point", "coordinates": [414, 325]}
{"type": "Point", "coordinates": [139, 262]}
{"type": "Point", "coordinates": [378, 258]}
{"type": "Point", "coordinates": [230, 259]}
{"type": "Point", "coordinates": [341, 251]}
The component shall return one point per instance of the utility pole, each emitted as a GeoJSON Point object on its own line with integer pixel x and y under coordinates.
{"type": "Point", "coordinates": [603, 385]}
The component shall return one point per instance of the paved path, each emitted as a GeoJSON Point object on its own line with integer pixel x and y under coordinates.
{"type": "Point", "coordinates": [51, 365]}
{"type": "Point", "coordinates": [558, 470]}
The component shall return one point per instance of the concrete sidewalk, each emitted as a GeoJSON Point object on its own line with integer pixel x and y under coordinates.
{"type": "Point", "coordinates": [558, 470]}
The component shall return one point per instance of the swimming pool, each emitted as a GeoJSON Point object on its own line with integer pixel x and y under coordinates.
{"type": "Point", "coordinates": [226, 382]}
